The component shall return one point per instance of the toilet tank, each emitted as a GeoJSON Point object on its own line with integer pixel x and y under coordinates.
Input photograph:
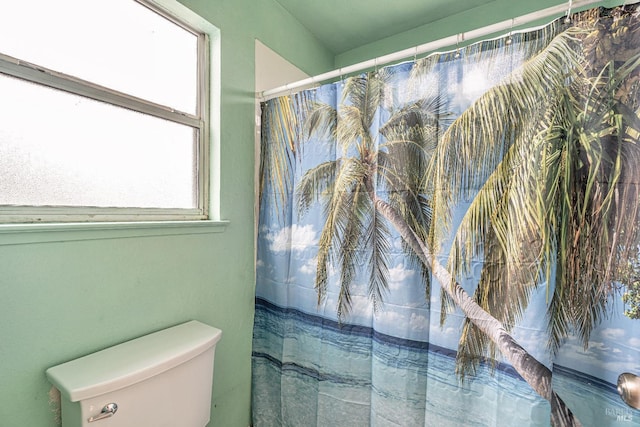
{"type": "Point", "coordinates": [163, 379]}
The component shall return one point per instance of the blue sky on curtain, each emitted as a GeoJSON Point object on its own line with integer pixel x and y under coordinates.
{"type": "Point", "coordinates": [454, 241]}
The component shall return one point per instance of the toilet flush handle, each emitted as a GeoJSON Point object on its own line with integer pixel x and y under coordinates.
{"type": "Point", "coordinates": [106, 412]}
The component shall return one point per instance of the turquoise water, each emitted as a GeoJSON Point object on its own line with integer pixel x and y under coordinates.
{"type": "Point", "coordinates": [310, 371]}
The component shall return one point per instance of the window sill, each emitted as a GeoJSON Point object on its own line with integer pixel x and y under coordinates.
{"type": "Point", "coordinates": [19, 234]}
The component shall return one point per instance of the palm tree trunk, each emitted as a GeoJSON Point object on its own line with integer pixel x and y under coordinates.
{"type": "Point", "coordinates": [537, 375]}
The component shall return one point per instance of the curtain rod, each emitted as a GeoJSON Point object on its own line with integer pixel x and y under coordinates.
{"type": "Point", "coordinates": [428, 47]}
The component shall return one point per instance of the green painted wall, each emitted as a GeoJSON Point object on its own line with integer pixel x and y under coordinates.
{"type": "Point", "coordinates": [63, 298]}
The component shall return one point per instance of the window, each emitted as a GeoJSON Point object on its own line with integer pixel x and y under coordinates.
{"type": "Point", "coordinates": [103, 113]}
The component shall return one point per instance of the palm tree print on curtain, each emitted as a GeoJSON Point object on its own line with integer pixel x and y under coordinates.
{"type": "Point", "coordinates": [496, 189]}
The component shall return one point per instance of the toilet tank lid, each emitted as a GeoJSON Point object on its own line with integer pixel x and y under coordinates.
{"type": "Point", "coordinates": [133, 361]}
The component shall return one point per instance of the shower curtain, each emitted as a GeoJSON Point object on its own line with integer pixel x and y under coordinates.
{"type": "Point", "coordinates": [454, 241]}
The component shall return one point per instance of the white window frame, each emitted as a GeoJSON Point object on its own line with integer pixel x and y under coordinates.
{"type": "Point", "coordinates": [203, 121]}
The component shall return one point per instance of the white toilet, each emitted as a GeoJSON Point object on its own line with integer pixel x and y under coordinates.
{"type": "Point", "coordinates": [163, 379]}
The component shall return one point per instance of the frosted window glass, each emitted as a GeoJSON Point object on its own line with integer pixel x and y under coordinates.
{"type": "Point", "coordinates": [58, 149]}
{"type": "Point", "coordinates": [118, 44]}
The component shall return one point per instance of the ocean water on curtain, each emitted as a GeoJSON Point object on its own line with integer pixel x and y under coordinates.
{"type": "Point", "coordinates": [367, 378]}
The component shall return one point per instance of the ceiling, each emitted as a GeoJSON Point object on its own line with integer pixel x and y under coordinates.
{"type": "Point", "coordinates": [344, 25]}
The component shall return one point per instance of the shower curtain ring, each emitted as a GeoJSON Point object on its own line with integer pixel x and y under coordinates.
{"type": "Point", "coordinates": [509, 40]}
{"type": "Point", "coordinates": [458, 37]}
{"type": "Point", "coordinates": [567, 20]}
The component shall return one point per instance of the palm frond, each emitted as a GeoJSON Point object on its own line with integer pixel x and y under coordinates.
{"type": "Point", "coordinates": [503, 220]}
{"type": "Point", "coordinates": [321, 121]}
{"type": "Point", "coordinates": [337, 190]}
{"type": "Point", "coordinates": [347, 249]}
{"type": "Point", "coordinates": [500, 233]}
{"type": "Point", "coordinates": [350, 128]}
{"type": "Point", "coordinates": [410, 140]}
{"type": "Point", "coordinates": [315, 183]}
{"type": "Point", "coordinates": [377, 238]}
{"type": "Point", "coordinates": [476, 142]}
{"type": "Point", "coordinates": [282, 134]}
{"type": "Point", "coordinates": [401, 173]}
{"type": "Point", "coordinates": [598, 228]}
{"type": "Point", "coordinates": [366, 93]}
